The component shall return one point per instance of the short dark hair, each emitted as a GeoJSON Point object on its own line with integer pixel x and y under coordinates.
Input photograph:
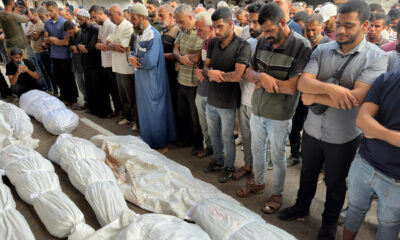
{"type": "Point", "coordinates": [96, 9]}
{"type": "Point", "coordinates": [314, 18]}
{"type": "Point", "coordinates": [378, 16]}
{"type": "Point", "coordinates": [7, 2]}
{"type": "Point", "coordinates": [300, 16]}
{"type": "Point", "coordinates": [374, 7]}
{"type": "Point", "coordinates": [239, 12]}
{"type": "Point", "coordinates": [156, 3]}
{"type": "Point", "coordinates": [255, 7]}
{"type": "Point", "coordinates": [51, 4]}
{"type": "Point", "coordinates": [359, 6]}
{"type": "Point", "coordinates": [69, 11]}
{"type": "Point", "coordinates": [310, 6]}
{"type": "Point", "coordinates": [394, 14]}
{"type": "Point", "coordinates": [270, 11]}
{"type": "Point", "coordinates": [68, 25]}
{"type": "Point", "coordinates": [222, 13]}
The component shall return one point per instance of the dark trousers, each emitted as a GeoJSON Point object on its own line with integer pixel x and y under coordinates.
{"type": "Point", "coordinates": [188, 119]}
{"type": "Point", "coordinates": [21, 88]}
{"type": "Point", "coordinates": [297, 125]}
{"type": "Point", "coordinates": [126, 89]}
{"type": "Point", "coordinates": [4, 89]}
{"type": "Point", "coordinates": [62, 69]}
{"type": "Point", "coordinates": [337, 159]}
{"type": "Point", "coordinates": [44, 61]}
{"type": "Point", "coordinates": [112, 87]}
{"type": "Point", "coordinates": [97, 93]}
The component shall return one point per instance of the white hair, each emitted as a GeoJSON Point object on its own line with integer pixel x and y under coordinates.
{"type": "Point", "coordinates": [222, 4]}
{"type": "Point", "coordinates": [183, 8]}
{"type": "Point", "coordinates": [42, 10]}
{"type": "Point", "coordinates": [204, 16]}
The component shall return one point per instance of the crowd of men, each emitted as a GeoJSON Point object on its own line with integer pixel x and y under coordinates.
{"type": "Point", "coordinates": [325, 78]}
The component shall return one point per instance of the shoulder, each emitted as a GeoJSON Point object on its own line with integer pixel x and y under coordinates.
{"type": "Point", "coordinates": [301, 40]}
{"type": "Point", "coordinates": [373, 49]}
{"type": "Point", "coordinates": [149, 35]}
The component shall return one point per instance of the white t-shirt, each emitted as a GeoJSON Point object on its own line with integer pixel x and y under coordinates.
{"type": "Point", "coordinates": [104, 30]}
{"type": "Point", "coordinates": [248, 87]}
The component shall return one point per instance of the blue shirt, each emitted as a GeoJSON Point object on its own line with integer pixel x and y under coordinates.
{"type": "Point", "coordinates": [381, 155]}
{"type": "Point", "coordinates": [56, 29]}
{"type": "Point", "coordinates": [295, 26]}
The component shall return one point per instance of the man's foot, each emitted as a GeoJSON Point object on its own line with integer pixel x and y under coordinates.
{"type": "Point", "coordinates": [238, 140]}
{"type": "Point", "coordinates": [205, 152]}
{"type": "Point", "coordinates": [292, 213]}
{"type": "Point", "coordinates": [292, 160]}
{"type": "Point", "coordinates": [327, 232]}
{"type": "Point", "coordinates": [134, 127]}
{"type": "Point", "coordinates": [124, 122]}
{"type": "Point", "coordinates": [213, 166]}
{"type": "Point", "coordinates": [241, 172]}
{"type": "Point", "coordinates": [195, 151]}
{"type": "Point", "coordinates": [225, 175]}
{"type": "Point", "coordinates": [342, 216]}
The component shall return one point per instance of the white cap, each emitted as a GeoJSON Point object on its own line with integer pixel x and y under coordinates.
{"type": "Point", "coordinates": [328, 10]}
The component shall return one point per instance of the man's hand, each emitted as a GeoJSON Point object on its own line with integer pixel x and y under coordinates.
{"type": "Point", "coordinates": [82, 48]}
{"type": "Point", "coordinates": [342, 97]}
{"type": "Point", "coordinates": [119, 48]}
{"type": "Point", "coordinates": [258, 85]}
{"type": "Point", "coordinates": [308, 99]}
{"type": "Point", "coordinates": [199, 74]}
{"type": "Point", "coordinates": [177, 66]}
{"type": "Point", "coordinates": [101, 47]}
{"type": "Point", "coordinates": [22, 69]}
{"type": "Point", "coordinates": [74, 49]}
{"type": "Point", "coordinates": [269, 83]}
{"type": "Point", "coordinates": [215, 75]}
{"type": "Point", "coordinates": [52, 40]}
{"type": "Point", "coordinates": [2, 38]}
{"type": "Point", "coordinates": [185, 60]}
{"type": "Point", "coordinates": [134, 61]}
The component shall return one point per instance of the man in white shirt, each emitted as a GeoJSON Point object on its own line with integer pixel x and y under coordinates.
{"type": "Point", "coordinates": [106, 27]}
{"type": "Point", "coordinates": [118, 42]}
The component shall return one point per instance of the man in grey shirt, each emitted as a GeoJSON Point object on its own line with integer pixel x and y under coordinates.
{"type": "Point", "coordinates": [333, 137]}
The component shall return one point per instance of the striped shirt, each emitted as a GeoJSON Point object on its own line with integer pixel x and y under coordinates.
{"type": "Point", "coordinates": [283, 62]}
{"type": "Point", "coordinates": [189, 43]}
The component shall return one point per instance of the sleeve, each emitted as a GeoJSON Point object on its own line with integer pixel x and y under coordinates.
{"type": "Point", "coordinates": [300, 62]}
{"type": "Point", "coordinates": [150, 58]}
{"type": "Point", "coordinates": [91, 45]}
{"type": "Point", "coordinates": [374, 94]}
{"type": "Point", "coordinates": [110, 37]}
{"type": "Point", "coordinates": [126, 36]}
{"type": "Point", "coordinates": [376, 68]}
{"type": "Point", "coordinates": [45, 29]}
{"type": "Point", "coordinates": [210, 48]}
{"type": "Point", "coordinates": [30, 65]}
{"type": "Point", "coordinates": [178, 39]}
{"type": "Point", "coordinates": [9, 70]}
{"type": "Point", "coordinates": [40, 27]}
{"type": "Point", "coordinates": [244, 54]}
{"type": "Point", "coordinates": [19, 18]}
{"type": "Point", "coordinates": [313, 64]}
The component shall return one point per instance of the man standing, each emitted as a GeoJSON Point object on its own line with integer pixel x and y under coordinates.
{"type": "Point", "coordinates": [169, 33]}
{"type": "Point", "coordinates": [241, 17]}
{"type": "Point", "coordinates": [187, 51]}
{"type": "Point", "coordinates": [118, 42]}
{"type": "Point", "coordinates": [205, 31]}
{"type": "Point", "coordinates": [328, 12]}
{"type": "Point", "coordinates": [227, 59]}
{"type": "Point", "coordinates": [286, 5]}
{"type": "Point", "coordinates": [330, 134]}
{"type": "Point", "coordinates": [152, 8]}
{"type": "Point", "coordinates": [314, 26]}
{"type": "Point", "coordinates": [106, 27]}
{"type": "Point", "coordinates": [59, 52]}
{"type": "Point", "coordinates": [157, 123]}
{"type": "Point", "coordinates": [275, 69]}
{"type": "Point", "coordinates": [377, 24]}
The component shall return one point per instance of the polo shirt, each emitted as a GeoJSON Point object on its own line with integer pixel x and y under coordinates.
{"type": "Point", "coordinates": [337, 126]}
{"type": "Point", "coordinates": [283, 62]}
{"type": "Point", "coordinates": [13, 31]}
{"type": "Point", "coordinates": [226, 94]}
{"type": "Point", "coordinates": [189, 43]}
{"type": "Point", "coordinates": [381, 155]}
{"type": "Point", "coordinates": [56, 29]}
{"type": "Point", "coordinates": [394, 61]}
{"type": "Point", "coordinates": [104, 30]}
{"type": "Point", "coordinates": [324, 39]}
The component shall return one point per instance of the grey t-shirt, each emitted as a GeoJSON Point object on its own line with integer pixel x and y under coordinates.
{"type": "Point", "coordinates": [338, 126]}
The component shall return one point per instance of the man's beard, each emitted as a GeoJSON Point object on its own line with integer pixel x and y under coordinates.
{"type": "Point", "coordinates": [350, 41]}
{"type": "Point", "coordinates": [152, 14]}
{"type": "Point", "coordinates": [316, 38]}
{"type": "Point", "coordinates": [278, 38]}
{"type": "Point", "coordinates": [254, 33]}
{"type": "Point", "coordinates": [223, 37]}
{"type": "Point", "coordinates": [84, 25]}
{"type": "Point", "coordinates": [164, 25]}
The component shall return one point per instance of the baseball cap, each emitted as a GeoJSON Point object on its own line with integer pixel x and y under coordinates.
{"type": "Point", "coordinates": [328, 10]}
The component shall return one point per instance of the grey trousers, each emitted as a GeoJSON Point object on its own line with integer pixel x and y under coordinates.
{"type": "Point", "coordinates": [126, 90]}
{"type": "Point", "coordinates": [201, 103]}
{"type": "Point", "coordinates": [244, 124]}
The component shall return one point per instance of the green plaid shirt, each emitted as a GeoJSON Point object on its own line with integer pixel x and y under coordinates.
{"type": "Point", "coordinates": [189, 43]}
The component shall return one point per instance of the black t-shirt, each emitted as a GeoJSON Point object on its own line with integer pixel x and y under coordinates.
{"type": "Point", "coordinates": [23, 78]}
{"type": "Point", "coordinates": [226, 94]}
{"type": "Point", "coordinates": [381, 155]}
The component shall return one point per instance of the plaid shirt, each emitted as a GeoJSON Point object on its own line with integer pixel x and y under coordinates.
{"type": "Point", "coordinates": [189, 43]}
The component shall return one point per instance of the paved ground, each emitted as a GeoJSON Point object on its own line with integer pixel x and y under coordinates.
{"type": "Point", "coordinates": [306, 229]}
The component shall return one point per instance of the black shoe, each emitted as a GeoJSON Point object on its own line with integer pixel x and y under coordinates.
{"type": "Point", "coordinates": [195, 151]}
{"type": "Point", "coordinates": [182, 144]}
{"type": "Point", "coordinates": [226, 174]}
{"type": "Point", "coordinates": [292, 213]}
{"type": "Point", "coordinates": [213, 166]}
{"type": "Point", "coordinates": [293, 160]}
{"type": "Point", "coordinates": [327, 232]}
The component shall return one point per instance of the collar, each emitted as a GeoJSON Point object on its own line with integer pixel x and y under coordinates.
{"type": "Point", "coordinates": [59, 18]}
{"type": "Point", "coordinates": [146, 30]}
{"type": "Point", "coordinates": [359, 48]}
{"type": "Point", "coordinates": [286, 43]}
{"type": "Point", "coordinates": [233, 38]}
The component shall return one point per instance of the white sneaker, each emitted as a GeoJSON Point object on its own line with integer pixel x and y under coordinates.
{"type": "Point", "coordinates": [124, 122]}
{"type": "Point", "coordinates": [134, 127]}
{"type": "Point", "coordinates": [238, 140]}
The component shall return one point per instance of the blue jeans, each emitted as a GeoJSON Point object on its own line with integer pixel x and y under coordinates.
{"type": "Point", "coordinates": [44, 63]}
{"type": "Point", "coordinates": [364, 181]}
{"type": "Point", "coordinates": [277, 132]}
{"type": "Point", "coordinates": [244, 124]}
{"type": "Point", "coordinates": [201, 105]}
{"type": "Point", "coordinates": [80, 80]}
{"type": "Point", "coordinates": [221, 124]}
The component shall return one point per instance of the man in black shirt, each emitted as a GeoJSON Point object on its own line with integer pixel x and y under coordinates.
{"type": "Point", "coordinates": [22, 73]}
{"type": "Point", "coordinates": [227, 59]}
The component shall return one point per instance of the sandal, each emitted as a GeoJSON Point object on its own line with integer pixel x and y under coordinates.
{"type": "Point", "coordinates": [241, 172]}
{"type": "Point", "coordinates": [273, 204]}
{"type": "Point", "coordinates": [251, 180]}
{"type": "Point", "coordinates": [250, 189]}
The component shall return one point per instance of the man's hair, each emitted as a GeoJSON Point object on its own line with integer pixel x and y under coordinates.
{"type": "Point", "coordinates": [42, 10]}
{"type": "Point", "coordinates": [34, 11]}
{"type": "Point", "coordinates": [378, 16]}
{"type": "Point", "coordinates": [183, 8]}
{"type": "Point", "coordinates": [359, 6]}
{"type": "Point", "coordinates": [298, 6]}
{"type": "Point", "coordinates": [7, 2]}
{"type": "Point", "coordinates": [396, 5]}
{"type": "Point", "coordinates": [177, 1]}
{"type": "Point", "coordinates": [167, 8]}
{"type": "Point", "coordinates": [51, 4]}
{"type": "Point", "coordinates": [394, 14]}
{"type": "Point", "coordinates": [126, 10]}
{"type": "Point", "coordinates": [315, 18]}
{"type": "Point", "coordinates": [255, 7]}
{"type": "Point", "coordinates": [68, 25]}
{"type": "Point", "coordinates": [204, 16]}
{"type": "Point", "coordinates": [300, 16]}
{"type": "Point", "coordinates": [222, 13]}
{"type": "Point", "coordinates": [270, 11]}
{"type": "Point", "coordinates": [240, 12]}
{"type": "Point", "coordinates": [96, 9]}
{"type": "Point", "coordinates": [155, 3]}
{"type": "Point", "coordinates": [374, 7]}
{"type": "Point", "coordinates": [69, 11]}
